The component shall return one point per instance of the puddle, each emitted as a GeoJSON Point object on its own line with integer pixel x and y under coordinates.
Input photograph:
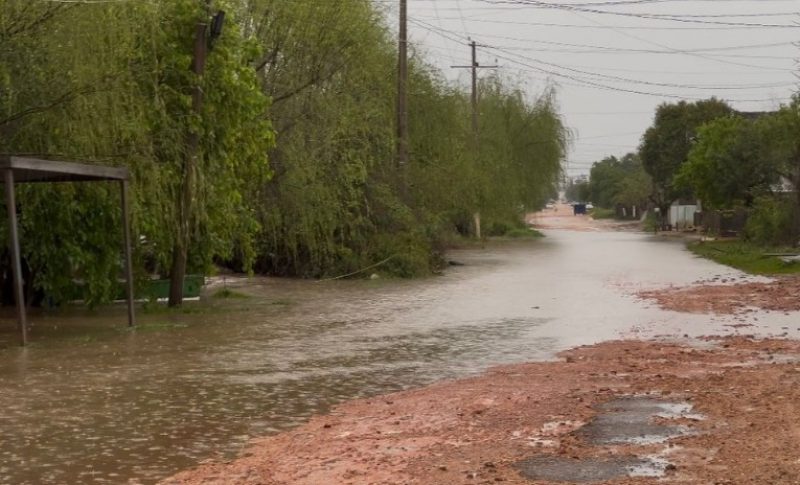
{"type": "Point", "coordinates": [630, 420]}
{"type": "Point", "coordinates": [589, 470]}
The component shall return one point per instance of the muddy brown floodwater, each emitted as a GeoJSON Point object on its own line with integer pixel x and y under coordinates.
{"type": "Point", "coordinates": [91, 402]}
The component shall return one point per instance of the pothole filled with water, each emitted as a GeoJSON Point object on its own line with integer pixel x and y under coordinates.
{"type": "Point", "coordinates": [636, 420]}
{"type": "Point", "coordinates": [631, 420]}
{"type": "Point", "coordinates": [588, 470]}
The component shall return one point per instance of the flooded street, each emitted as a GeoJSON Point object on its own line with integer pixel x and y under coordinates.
{"type": "Point", "coordinates": [92, 402]}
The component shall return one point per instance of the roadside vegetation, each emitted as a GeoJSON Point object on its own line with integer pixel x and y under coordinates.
{"type": "Point", "coordinates": [732, 162]}
{"type": "Point", "coordinates": [601, 213]}
{"type": "Point", "coordinates": [294, 173]}
{"type": "Point", "coordinates": [747, 256]}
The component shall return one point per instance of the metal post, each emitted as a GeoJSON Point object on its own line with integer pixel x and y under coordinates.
{"type": "Point", "coordinates": [126, 229]}
{"type": "Point", "coordinates": [13, 244]}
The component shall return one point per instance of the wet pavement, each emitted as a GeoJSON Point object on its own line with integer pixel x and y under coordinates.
{"type": "Point", "coordinates": [588, 470]}
{"type": "Point", "coordinates": [92, 402]}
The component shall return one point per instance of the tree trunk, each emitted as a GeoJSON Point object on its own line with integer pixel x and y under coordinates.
{"type": "Point", "coordinates": [186, 197]}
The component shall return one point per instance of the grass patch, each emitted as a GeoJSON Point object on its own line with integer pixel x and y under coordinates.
{"type": "Point", "coordinates": [747, 257]}
{"type": "Point", "coordinates": [228, 293]}
{"type": "Point", "coordinates": [600, 213]}
{"type": "Point", "coordinates": [522, 232]}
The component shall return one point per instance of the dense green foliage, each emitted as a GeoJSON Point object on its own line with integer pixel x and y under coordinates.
{"type": "Point", "coordinates": [578, 191]}
{"type": "Point", "coordinates": [771, 222]}
{"type": "Point", "coordinates": [111, 84]}
{"type": "Point", "coordinates": [294, 173]}
{"type": "Point", "coordinates": [726, 166]}
{"type": "Point", "coordinates": [619, 181]}
{"type": "Point", "coordinates": [665, 145]}
{"type": "Point", "coordinates": [753, 163]}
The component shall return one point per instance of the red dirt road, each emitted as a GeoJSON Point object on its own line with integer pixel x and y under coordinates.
{"type": "Point", "coordinates": [744, 426]}
{"type": "Point", "coordinates": [782, 294]}
{"type": "Point", "coordinates": [475, 430]}
{"type": "Point", "coordinates": [561, 217]}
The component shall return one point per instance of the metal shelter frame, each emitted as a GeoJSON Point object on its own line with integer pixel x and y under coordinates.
{"type": "Point", "coordinates": [32, 170]}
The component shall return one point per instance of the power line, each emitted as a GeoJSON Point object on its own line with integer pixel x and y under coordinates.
{"type": "Point", "coordinates": [592, 82]}
{"type": "Point", "coordinates": [575, 8]}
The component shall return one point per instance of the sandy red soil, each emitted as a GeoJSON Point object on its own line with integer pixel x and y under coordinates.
{"type": "Point", "coordinates": [474, 430]}
{"type": "Point", "coordinates": [562, 217]}
{"type": "Point", "coordinates": [781, 294]}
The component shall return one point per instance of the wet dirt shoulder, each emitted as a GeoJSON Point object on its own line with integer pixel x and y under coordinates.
{"type": "Point", "coordinates": [730, 410]}
{"type": "Point", "coordinates": [780, 294]}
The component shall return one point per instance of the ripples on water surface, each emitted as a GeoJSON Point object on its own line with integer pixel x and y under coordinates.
{"type": "Point", "coordinates": [91, 402]}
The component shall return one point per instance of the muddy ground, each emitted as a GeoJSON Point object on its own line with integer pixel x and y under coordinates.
{"type": "Point", "coordinates": [782, 294]}
{"type": "Point", "coordinates": [743, 426]}
{"type": "Point", "coordinates": [561, 217]}
{"type": "Point", "coordinates": [717, 411]}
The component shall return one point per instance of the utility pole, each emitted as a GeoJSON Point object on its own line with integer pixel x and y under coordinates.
{"type": "Point", "coordinates": [402, 87]}
{"type": "Point", "coordinates": [181, 247]}
{"type": "Point", "coordinates": [475, 132]}
{"type": "Point", "coordinates": [473, 48]}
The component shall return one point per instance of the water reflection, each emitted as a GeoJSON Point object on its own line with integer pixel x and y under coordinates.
{"type": "Point", "coordinates": [92, 402]}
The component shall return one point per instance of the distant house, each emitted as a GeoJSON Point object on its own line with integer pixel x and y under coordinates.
{"type": "Point", "coordinates": [783, 186]}
{"type": "Point", "coordinates": [682, 214]}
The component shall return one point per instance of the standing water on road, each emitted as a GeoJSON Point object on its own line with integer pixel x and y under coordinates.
{"type": "Point", "coordinates": [91, 402]}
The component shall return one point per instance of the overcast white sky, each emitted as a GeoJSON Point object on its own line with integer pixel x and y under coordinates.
{"type": "Point", "coordinates": [737, 50]}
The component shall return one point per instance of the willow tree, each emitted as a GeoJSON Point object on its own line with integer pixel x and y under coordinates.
{"type": "Point", "coordinates": [522, 145]}
{"type": "Point", "coordinates": [65, 93]}
{"type": "Point", "coordinates": [337, 203]}
{"type": "Point", "coordinates": [205, 186]}
{"type": "Point", "coordinates": [110, 83]}
{"type": "Point", "coordinates": [326, 66]}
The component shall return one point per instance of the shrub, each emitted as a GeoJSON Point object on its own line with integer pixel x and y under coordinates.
{"type": "Point", "coordinates": [771, 223]}
{"type": "Point", "coordinates": [601, 213]}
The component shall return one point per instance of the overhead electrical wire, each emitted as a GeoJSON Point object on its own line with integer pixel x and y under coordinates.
{"type": "Point", "coordinates": [575, 7]}
{"type": "Point", "coordinates": [574, 75]}
{"type": "Point", "coordinates": [521, 56]}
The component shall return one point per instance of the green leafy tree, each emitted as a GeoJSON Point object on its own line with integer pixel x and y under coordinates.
{"type": "Point", "coordinates": [204, 186]}
{"type": "Point", "coordinates": [728, 165]}
{"type": "Point", "coordinates": [579, 191]}
{"type": "Point", "coordinates": [779, 133]}
{"type": "Point", "coordinates": [619, 181]}
{"type": "Point", "coordinates": [665, 145]}
{"type": "Point", "coordinates": [110, 83]}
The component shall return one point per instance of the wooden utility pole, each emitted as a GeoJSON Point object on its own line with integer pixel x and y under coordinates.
{"type": "Point", "coordinates": [475, 131]}
{"type": "Point", "coordinates": [186, 198]}
{"type": "Point", "coordinates": [402, 87]}
{"type": "Point", "coordinates": [474, 68]}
